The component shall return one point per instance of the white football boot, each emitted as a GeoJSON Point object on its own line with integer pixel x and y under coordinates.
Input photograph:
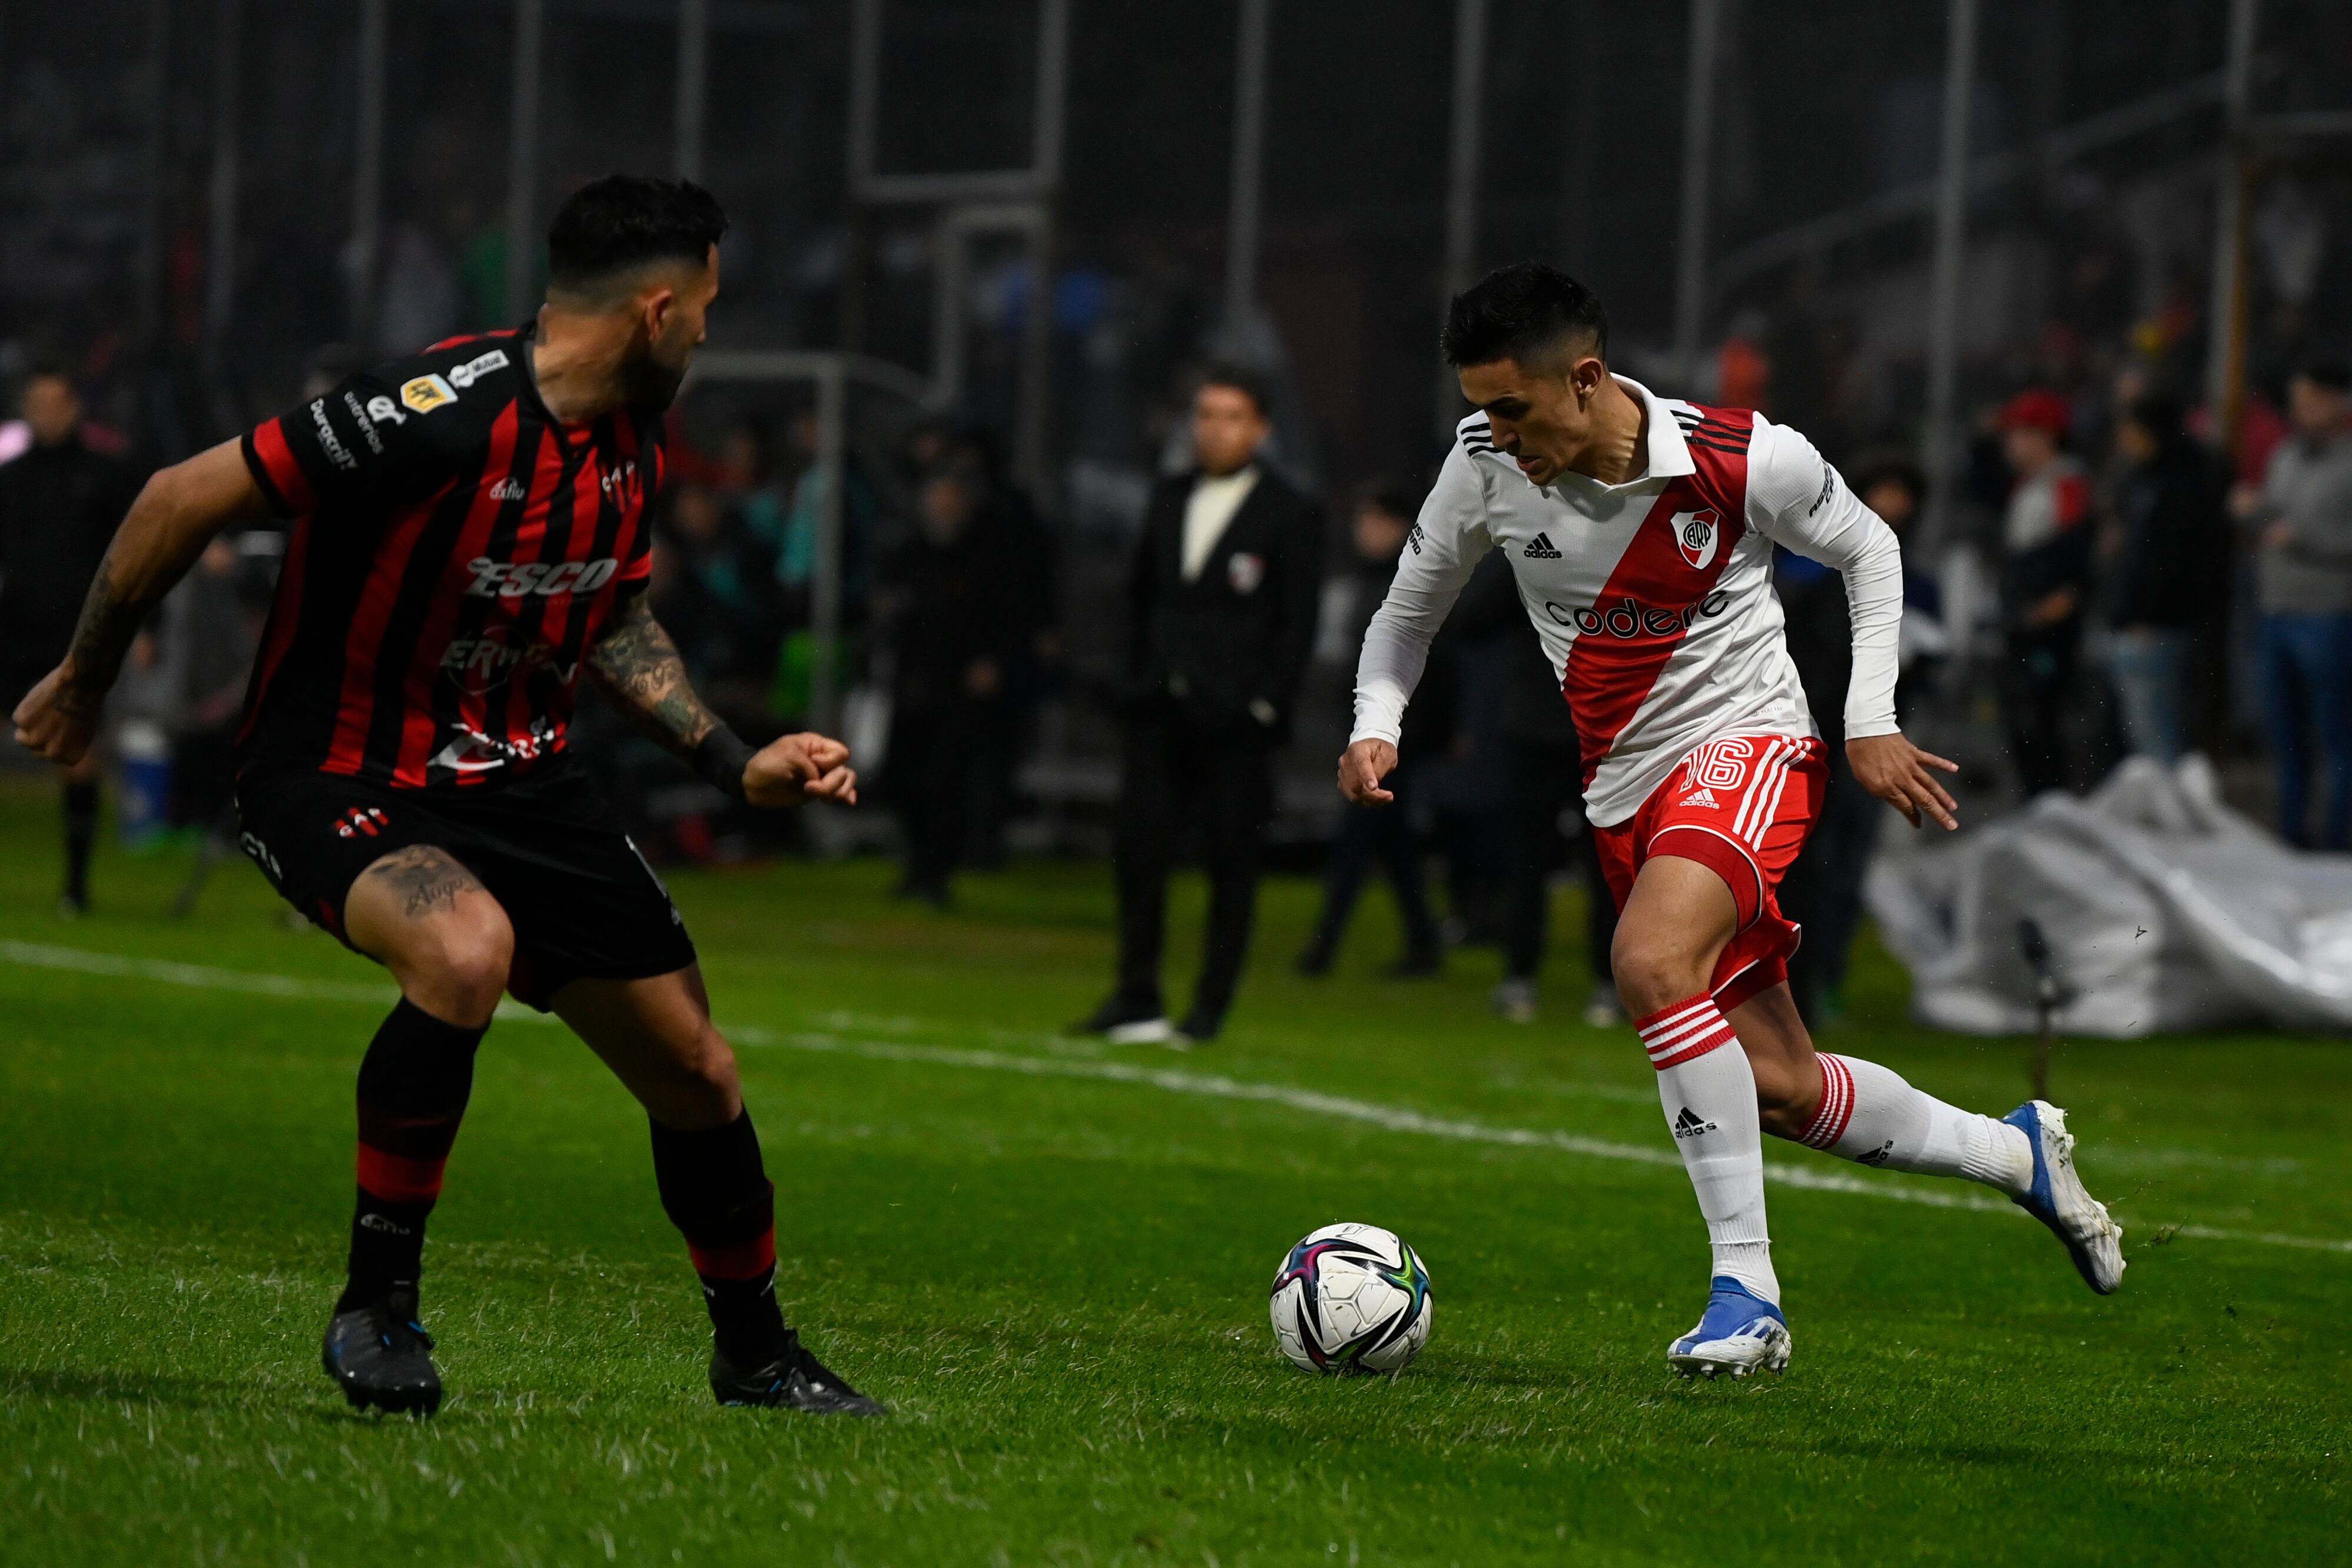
{"type": "Point", "coordinates": [2060, 1201]}
{"type": "Point", "coordinates": [1739, 1333]}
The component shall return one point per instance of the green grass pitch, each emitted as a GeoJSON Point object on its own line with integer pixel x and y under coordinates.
{"type": "Point", "coordinates": [1051, 1259]}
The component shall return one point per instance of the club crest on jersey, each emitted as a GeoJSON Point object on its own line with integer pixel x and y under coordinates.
{"type": "Point", "coordinates": [1246, 571]}
{"type": "Point", "coordinates": [426, 393]}
{"type": "Point", "coordinates": [1697, 535]}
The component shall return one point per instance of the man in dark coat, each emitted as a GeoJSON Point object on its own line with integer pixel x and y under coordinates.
{"type": "Point", "coordinates": [2167, 570]}
{"type": "Point", "coordinates": [59, 501]}
{"type": "Point", "coordinates": [1388, 839]}
{"type": "Point", "coordinates": [1223, 599]}
{"type": "Point", "coordinates": [956, 619]}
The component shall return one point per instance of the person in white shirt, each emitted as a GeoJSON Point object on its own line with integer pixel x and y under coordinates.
{"type": "Point", "coordinates": [1221, 606]}
{"type": "Point", "coordinates": [1640, 530]}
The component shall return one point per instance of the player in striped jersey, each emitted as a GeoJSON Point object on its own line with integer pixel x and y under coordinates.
{"type": "Point", "coordinates": [1640, 532]}
{"type": "Point", "coordinates": [470, 535]}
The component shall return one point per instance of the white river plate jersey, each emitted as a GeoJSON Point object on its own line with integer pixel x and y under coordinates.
{"type": "Point", "coordinates": [1653, 599]}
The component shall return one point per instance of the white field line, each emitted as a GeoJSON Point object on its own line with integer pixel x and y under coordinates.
{"type": "Point", "coordinates": [1174, 1081]}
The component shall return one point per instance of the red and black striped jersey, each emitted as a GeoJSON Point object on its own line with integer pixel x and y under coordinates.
{"type": "Point", "coordinates": [454, 548]}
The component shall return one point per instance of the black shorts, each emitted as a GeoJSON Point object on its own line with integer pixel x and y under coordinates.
{"type": "Point", "coordinates": [584, 903]}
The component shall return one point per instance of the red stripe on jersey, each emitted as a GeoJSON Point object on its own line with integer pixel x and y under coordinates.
{"type": "Point", "coordinates": [1651, 604]}
{"type": "Point", "coordinates": [387, 572]}
{"type": "Point", "coordinates": [293, 485]}
{"type": "Point", "coordinates": [285, 615]}
{"type": "Point", "coordinates": [546, 473]}
{"type": "Point", "coordinates": [417, 724]}
{"type": "Point", "coordinates": [577, 535]}
{"type": "Point", "coordinates": [447, 343]}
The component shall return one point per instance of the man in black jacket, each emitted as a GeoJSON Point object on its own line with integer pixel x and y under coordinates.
{"type": "Point", "coordinates": [1222, 598]}
{"type": "Point", "coordinates": [59, 504]}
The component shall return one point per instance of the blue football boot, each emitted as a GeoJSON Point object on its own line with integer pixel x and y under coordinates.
{"type": "Point", "coordinates": [1740, 1333]}
{"type": "Point", "coordinates": [2059, 1200]}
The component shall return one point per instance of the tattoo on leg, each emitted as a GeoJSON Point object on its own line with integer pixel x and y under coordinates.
{"type": "Point", "coordinates": [427, 879]}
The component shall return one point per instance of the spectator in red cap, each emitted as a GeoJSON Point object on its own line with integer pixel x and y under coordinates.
{"type": "Point", "coordinates": [2044, 581]}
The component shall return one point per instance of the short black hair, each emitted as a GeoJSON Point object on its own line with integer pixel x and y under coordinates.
{"type": "Point", "coordinates": [1242, 380]}
{"type": "Point", "coordinates": [624, 221]}
{"type": "Point", "coordinates": [51, 368]}
{"type": "Point", "coordinates": [2332, 374]}
{"type": "Point", "coordinates": [1521, 312]}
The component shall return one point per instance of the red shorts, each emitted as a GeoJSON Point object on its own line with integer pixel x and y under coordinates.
{"type": "Point", "coordinates": [1741, 807]}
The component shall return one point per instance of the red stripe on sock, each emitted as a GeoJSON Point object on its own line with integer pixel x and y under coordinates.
{"type": "Point", "coordinates": [745, 1260]}
{"type": "Point", "coordinates": [1684, 1032]}
{"type": "Point", "coordinates": [1835, 1112]}
{"type": "Point", "coordinates": [399, 1177]}
{"type": "Point", "coordinates": [413, 1137]}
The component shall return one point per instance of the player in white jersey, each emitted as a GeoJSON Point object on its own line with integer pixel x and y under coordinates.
{"type": "Point", "coordinates": [1641, 531]}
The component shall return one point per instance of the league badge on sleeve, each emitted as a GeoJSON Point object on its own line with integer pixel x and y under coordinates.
{"type": "Point", "coordinates": [426, 393]}
{"type": "Point", "coordinates": [1697, 535]}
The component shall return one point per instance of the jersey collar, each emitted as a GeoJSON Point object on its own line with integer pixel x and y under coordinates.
{"type": "Point", "coordinates": [1669, 454]}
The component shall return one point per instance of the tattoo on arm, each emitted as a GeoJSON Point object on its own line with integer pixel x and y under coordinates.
{"type": "Point", "coordinates": [638, 666]}
{"type": "Point", "coordinates": [424, 879]}
{"type": "Point", "coordinates": [109, 621]}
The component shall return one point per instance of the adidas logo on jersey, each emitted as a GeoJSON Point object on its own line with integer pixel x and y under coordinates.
{"type": "Point", "coordinates": [1688, 1125]}
{"type": "Point", "coordinates": [1540, 549]}
{"type": "Point", "coordinates": [1702, 796]}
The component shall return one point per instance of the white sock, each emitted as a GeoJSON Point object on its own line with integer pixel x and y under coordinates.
{"type": "Point", "coordinates": [1869, 1115]}
{"type": "Point", "coordinates": [1709, 1095]}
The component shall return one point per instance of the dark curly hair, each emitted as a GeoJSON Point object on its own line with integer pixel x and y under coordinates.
{"type": "Point", "coordinates": [1525, 311]}
{"type": "Point", "coordinates": [623, 222]}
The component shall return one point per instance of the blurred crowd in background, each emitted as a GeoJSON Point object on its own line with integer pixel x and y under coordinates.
{"type": "Point", "coordinates": [2104, 574]}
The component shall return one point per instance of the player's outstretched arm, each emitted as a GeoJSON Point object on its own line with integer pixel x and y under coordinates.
{"type": "Point", "coordinates": [176, 516]}
{"type": "Point", "coordinates": [1896, 771]}
{"type": "Point", "coordinates": [638, 666]}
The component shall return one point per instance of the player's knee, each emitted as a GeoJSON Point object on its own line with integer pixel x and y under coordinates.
{"type": "Point", "coordinates": [712, 1060]}
{"type": "Point", "coordinates": [465, 963]}
{"type": "Point", "coordinates": [1653, 970]}
{"type": "Point", "coordinates": [703, 1088]}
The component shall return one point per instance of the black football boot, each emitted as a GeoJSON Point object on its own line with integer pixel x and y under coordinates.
{"type": "Point", "coordinates": [792, 1379]}
{"type": "Point", "coordinates": [380, 1356]}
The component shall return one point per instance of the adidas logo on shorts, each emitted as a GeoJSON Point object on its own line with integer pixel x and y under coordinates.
{"type": "Point", "coordinates": [1702, 796]}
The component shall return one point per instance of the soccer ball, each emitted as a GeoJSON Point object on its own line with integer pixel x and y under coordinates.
{"type": "Point", "coordinates": [1351, 1298]}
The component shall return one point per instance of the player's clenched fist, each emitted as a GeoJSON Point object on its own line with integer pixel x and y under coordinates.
{"type": "Point", "coordinates": [53, 721]}
{"type": "Point", "coordinates": [1896, 771]}
{"type": "Point", "coordinates": [800, 768]}
{"type": "Point", "coordinates": [1362, 767]}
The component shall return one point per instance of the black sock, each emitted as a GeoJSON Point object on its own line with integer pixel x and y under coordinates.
{"type": "Point", "coordinates": [716, 1192]}
{"type": "Point", "coordinates": [413, 1083]}
{"type": "Point", "coordinates": [82, 831]}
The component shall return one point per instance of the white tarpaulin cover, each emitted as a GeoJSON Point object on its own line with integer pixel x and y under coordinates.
{"type": "Point", "coordinates": [2161, 909]}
